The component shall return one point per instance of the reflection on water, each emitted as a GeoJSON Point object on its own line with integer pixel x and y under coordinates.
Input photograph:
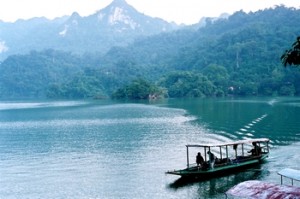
{"type": "Point", "coordinates": [217, 185]}
{"type": "Point", "coordinates": [100, 149]}
{"type": "Point", "coordinates": [29, 105]}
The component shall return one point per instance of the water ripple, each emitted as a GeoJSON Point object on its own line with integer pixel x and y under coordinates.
{"type": "Point", "coordinates": [33, 105]}
{"type": "Point", "coordinates": [93, 122]}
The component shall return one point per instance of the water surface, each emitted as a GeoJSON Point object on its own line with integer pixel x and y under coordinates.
{"type": "Point", "coordinates": [106, 149]}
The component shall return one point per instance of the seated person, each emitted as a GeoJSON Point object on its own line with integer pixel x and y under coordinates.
{"type": "Point", "coordinates": [256, 149]}
{"type": "Point", "coordinates": [199, 160]}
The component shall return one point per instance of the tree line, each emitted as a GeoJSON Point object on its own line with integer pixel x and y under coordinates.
{"type": "Point", "coordinates": [237, 56]}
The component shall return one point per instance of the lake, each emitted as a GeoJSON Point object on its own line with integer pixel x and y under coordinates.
{"type": "Point", "coordinates": [108, 149]}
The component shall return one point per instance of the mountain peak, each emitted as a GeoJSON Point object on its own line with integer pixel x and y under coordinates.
{"type": "Point", "coordinates": [119, 12]}
{"type": "Point", "coordinates": [119, 2]}
{"type": "Point", "coordinates": [75, 16]}
{"type": "Point", "coordinates": [122, 17]}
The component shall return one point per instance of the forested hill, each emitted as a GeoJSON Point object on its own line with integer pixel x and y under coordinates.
{"type": "Point", "coordinates": [237, 56]}
{"type": "Point", "coordinates": [238, 41]}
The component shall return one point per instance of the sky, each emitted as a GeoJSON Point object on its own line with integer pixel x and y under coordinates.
{"type": "Point", "coordinates": [178, 11]}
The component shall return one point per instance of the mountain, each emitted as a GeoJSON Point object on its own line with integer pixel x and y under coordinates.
{"type": "Point", "coordinates": [118, 24]}
{"type": "Point", "coordinates": [237, 55]}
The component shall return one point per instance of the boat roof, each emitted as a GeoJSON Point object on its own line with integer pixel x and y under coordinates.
{"type": "Point", "coordinates": [263, 190]}
{"type": "Point", "coordinates": [230, 143]}
{"type": "Point", "coordinates": [290, 173]}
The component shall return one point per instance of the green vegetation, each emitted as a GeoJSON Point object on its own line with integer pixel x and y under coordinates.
{"type": "Point", "coordinates": [188, 84]}
{"type": "Point", "coordinates": [31, 75]}
{"type": "Point", "coordinates": [139, 89]}
{"type": "Point", "coordinates": [292, 56]}
{"type": "Point", "coordinates": [237, 56]}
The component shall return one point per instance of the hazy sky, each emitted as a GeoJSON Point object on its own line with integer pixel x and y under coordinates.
{"type": "Point", "coordinates": [179, 11]}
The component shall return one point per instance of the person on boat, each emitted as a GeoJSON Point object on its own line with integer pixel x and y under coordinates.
{"type": "Point", "coordinates": [256, 149]}
{"type": "Point", "coordinates": [199, 160]}
{"type": "Point", "coordinates": [212, 159]}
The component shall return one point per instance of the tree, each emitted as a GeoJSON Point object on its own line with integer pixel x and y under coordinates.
{"type": "Point", "coordinates": [138, 89]}
{"type": "Point", "coordinates": [292, 56]}
{"type": "Point", "coordinates": [219, 76]}
{"type": "Point", "coordinates": [187, 84]}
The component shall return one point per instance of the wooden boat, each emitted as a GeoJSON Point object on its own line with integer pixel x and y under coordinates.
{"type": "Point", "coordinates": [266, 190]}
{"type": "Point", "coordinates": [229, 157]}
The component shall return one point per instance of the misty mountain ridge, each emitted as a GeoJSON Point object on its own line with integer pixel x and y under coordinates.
{"type": "Point", "coordinates": [241, 52]}
{"type": "Point", "coordinates": [118, 24]}
{"type": "Point", "coordinates": [120, 17]}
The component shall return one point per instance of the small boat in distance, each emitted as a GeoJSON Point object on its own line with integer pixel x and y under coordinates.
{"type": "Point", "coordinates": [223, 159]}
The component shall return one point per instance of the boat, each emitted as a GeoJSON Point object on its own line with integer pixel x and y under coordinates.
{"type": "Point", "coordinates": [266, 190]}
{"type": "Point", "coordinates": [292, 174]}
{"type": "Point", "coordinates": [227, 158]}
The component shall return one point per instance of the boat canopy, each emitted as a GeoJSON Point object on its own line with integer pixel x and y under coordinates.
{"type": "Point", "coordinates": [259, 140]}
{"type": "Point", "coordinates": [262, 142]}
{"type": "Point", "coordinates": [292, 174]}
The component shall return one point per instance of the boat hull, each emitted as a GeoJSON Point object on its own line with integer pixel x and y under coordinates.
{"type": "Point", "coordinates": [195, 172]}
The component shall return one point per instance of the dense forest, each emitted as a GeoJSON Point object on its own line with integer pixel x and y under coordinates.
{"type": "Point", "coordinates": [236, 56]}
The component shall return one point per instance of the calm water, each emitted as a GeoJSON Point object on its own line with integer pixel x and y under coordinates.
{"type": "Point", "coordinates": [105, 149]}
